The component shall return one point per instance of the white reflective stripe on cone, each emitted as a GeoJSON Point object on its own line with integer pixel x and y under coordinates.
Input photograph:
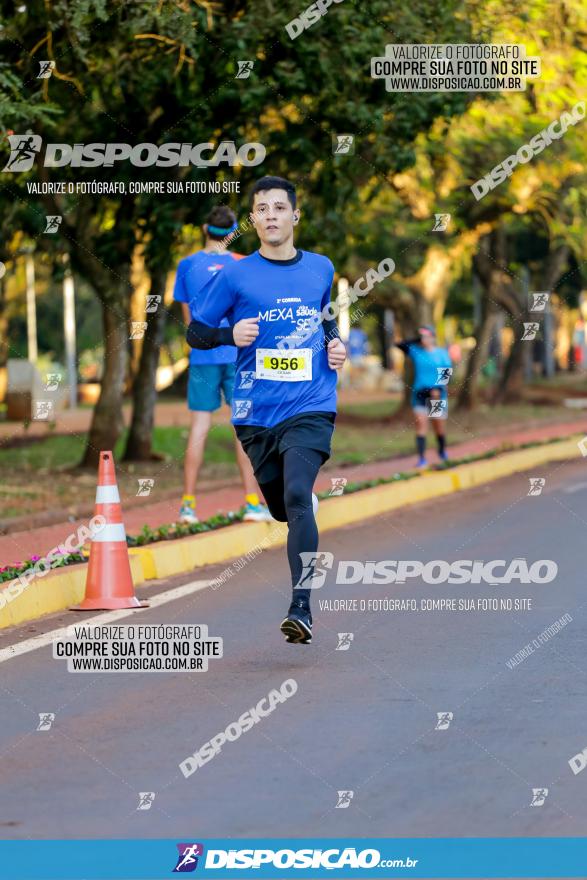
{"type": "Point", "coordinates": [107, 495]}
{"type": "Point", "coordinates": [111, 532]}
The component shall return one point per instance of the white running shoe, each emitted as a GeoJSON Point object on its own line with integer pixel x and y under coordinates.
{"type": "Point", "coordinates": [257, 513]}
{"type": "Point", "coordinates": [187, 514]}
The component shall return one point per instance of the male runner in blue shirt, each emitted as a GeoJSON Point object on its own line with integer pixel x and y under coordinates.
{"type": "Point", "coordinates": [284, 404]}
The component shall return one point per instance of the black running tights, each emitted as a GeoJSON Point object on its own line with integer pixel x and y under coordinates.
{"type": "Point", "coordinates": [289, 498]}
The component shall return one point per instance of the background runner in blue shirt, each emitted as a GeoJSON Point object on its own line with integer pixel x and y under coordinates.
{"type": "Point", "coordinates": [284, 403]}
{"type": "Point", "coordinates": [211, 373]}
{"type": "Point", "coordinates": [432, 371]}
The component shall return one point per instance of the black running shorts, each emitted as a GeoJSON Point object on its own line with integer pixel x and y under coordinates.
{"type": "Point", "coordinates": [265, 446]}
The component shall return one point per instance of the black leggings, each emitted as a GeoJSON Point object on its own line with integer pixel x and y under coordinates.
{"type": "Point", "coordinates": [289, 498]}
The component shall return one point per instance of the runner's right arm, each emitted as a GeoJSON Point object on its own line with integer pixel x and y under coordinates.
{"type": "Point", "coordinates": [200, 335]}
{"type": "Point", "coordinates": [217, 302]}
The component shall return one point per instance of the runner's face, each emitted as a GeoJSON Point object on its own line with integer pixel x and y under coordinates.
{"type": "Point", "coordinates": [273, 217]}
{"type": "Point", "coordinates": [428, 341]}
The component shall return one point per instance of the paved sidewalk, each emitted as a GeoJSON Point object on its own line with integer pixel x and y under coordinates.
{"type": "Point", "coordinates": [17, 546]}
{"type": "Point", "coordinates": [168, 413]}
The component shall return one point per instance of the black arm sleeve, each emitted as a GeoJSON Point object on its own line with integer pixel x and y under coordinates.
{"type": "Point", "coordinates": [201, 336]}
{"type": "Point", "coordinates": [330, 330]}
{"type": "Point", "coordinates": [404, 346]}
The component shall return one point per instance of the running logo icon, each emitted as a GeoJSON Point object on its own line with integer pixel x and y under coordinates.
{"type": "Point", "coordinates": [441, 222]}
{"type": "Point", "coordinates": [244, 69]}
{"type": "Point", "coordinates": [145, 486]}
{"type": "Point", "coordinates": [443, 375]}
{"type": "Point", "coordinates": [146, 799]}
{"type": "Point", "coordinates": [43, 410]}
{"type": "Point", "coordinates": [24, 151]}
{"type": "Point", "coordinates": [46, 69]}
{"type": "Point", "coordinates": [343, 144]}
{"type": "Point", "coordinates": [312, 577]}
{"type": "Point", "coordinates": [344, 799]}
{"type": "Point", "coordinates": [53, 380]}
{"type": "Point", "coordinates": [53, 222]}
{"type": "Point", "coordinates": [247, 378]}
{"type": "Point", "coordinates": [338, 484]}
{"type": "Point", "coordinates": [137, 329]}
{"type": "Point", "coordinates": [539, 301]}
{"type": "Point", "coordinates": [530, 331]}
{"type": "Point", "coordinates": [46, 719]}
{"type": "Point", "coordinates": [153, 301]}
{"type": "Point", "coordinates": [437, 409]}
{"type": "Point", "coordinates": [539, 795]}
{"type": "Point", "coordinates": [242, 408]}
{"type": "Point", "coordinates": [444, 719]}
{"type": "Point", "coordinates": [536, 485]}
{"type": "Point", "coordinates": [188, 857]}
{"type": "Point", "coordinates": [344, 641]}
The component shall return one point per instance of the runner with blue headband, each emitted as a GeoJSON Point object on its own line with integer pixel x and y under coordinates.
{"type": "Point", "coordinates": [211, 373]}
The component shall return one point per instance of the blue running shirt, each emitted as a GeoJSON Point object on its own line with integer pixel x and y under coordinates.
{"type": "Point", "coordinates": [193, 274]}
{"type": "Point", "coordinates": [427, 365]}
{"type": "Point", "coordinates": [273, 384]}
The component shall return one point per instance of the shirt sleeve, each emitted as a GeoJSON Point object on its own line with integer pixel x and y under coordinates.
{"type": "Point", "coordinates": [180, 293]}
{"type": "Point", "coordinates": [216, 300]}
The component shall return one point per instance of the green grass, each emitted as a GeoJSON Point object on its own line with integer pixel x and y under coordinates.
{"type": "Point", "coordinates": [65, 451]}
{"type": "Point", "coordinates": [171, 442]}
{"type": "Point", "coordinates": [372, 410]}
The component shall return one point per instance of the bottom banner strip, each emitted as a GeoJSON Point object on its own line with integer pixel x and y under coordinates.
{"type": "Point", "coordinates": [508, 858]}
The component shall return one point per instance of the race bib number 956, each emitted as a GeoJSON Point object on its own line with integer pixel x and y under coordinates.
{"type": "Point", "coordinates": [279, 366]}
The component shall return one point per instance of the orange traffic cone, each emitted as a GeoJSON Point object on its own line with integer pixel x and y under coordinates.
{"type": "Point", "coordinates": [109, 582]}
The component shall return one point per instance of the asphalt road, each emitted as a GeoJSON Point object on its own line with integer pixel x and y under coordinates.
{"type": "Point", "coordinates": [362, 720]}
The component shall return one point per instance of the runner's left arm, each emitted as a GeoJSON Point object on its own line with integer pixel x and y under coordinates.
{"type": "Point", "coordinates": [335, 347]}
{"type": "Point", "coordinates": [406, 344]}
{"type": "Point", "coordinates": [329, 325]}
{"type": "Point", "coordinates": [180, 290]}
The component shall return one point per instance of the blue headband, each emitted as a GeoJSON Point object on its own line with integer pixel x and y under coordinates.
{"type": "Point", "coordinates": [219, 230]}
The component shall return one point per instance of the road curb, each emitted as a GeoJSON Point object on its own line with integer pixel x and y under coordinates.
{"type": "Point", "coordinates": [55, 591]}
{"type": "Point", "coordinates": [242, 542]}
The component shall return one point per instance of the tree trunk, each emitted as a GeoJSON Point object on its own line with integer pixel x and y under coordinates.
{"type": "Point", "coordinates": [511, 385]}
{"type": "Point", "coordinates": [107, 421]}
{"type": "Point", "coordinates": [468, 396]}
{"type": "Point", "coordinates": [144, 393]}
{"type": "Point", "coordinates": [512, 382]}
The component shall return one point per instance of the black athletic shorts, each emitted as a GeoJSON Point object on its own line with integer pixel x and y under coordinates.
{"type": "Point", "coordinates": [265, 446]}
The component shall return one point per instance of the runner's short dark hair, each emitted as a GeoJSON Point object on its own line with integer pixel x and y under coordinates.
{"type": "Point", "coordinates": [269, 182]}
{"type": "Point", "coordinates": [222, 217]}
